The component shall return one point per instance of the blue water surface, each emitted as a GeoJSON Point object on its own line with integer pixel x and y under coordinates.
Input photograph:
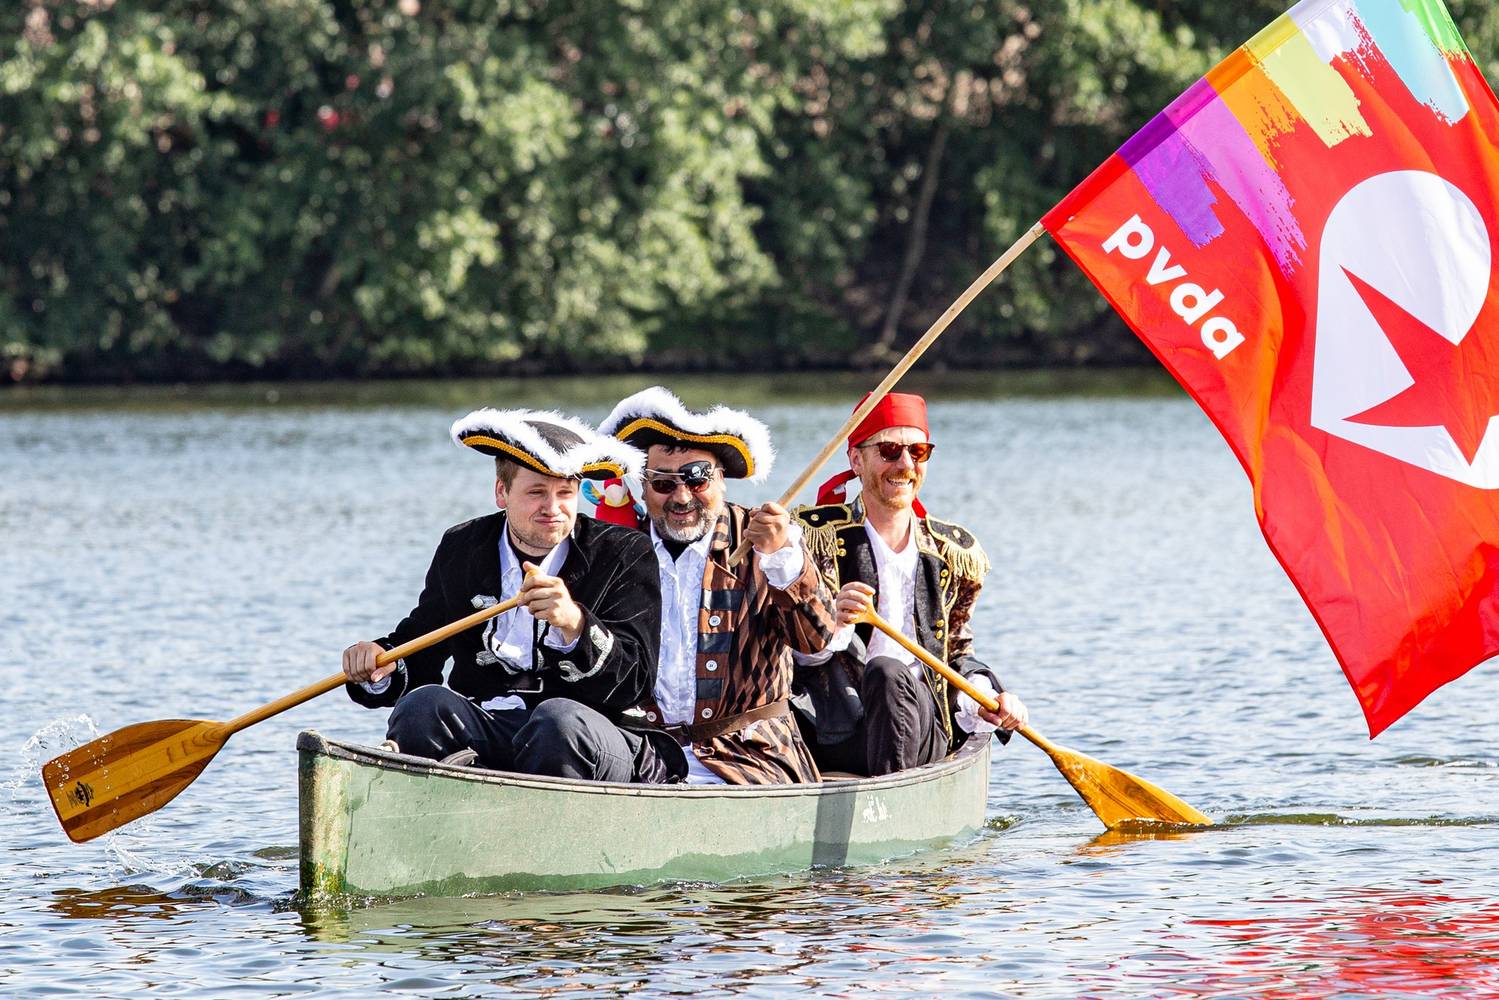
{"type": "Point", "coordinates": [196, 553]}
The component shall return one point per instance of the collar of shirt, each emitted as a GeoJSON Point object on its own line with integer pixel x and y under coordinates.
{"type": "Point", "coordinates": [698, 549]}
{"type": "Point", "coordinates": [512, 633]}
{"type": "Point", "coordinates": [510, 560]}
{"type": "Point", "coordinates": [904, 560]}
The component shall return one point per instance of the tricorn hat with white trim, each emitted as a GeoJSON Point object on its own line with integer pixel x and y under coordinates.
{"type": "Point", "coordinates": [548, 443]}
{"type": "Point", "coordinates": [655, 416]}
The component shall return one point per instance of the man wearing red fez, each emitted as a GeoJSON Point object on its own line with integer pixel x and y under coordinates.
{"type": "Point", "coordinates": [866, 705]}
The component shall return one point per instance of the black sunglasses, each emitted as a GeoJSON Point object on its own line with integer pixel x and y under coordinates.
{"type": "Point", "coordinates": [694, 475]}
{"type": "Point", "coordinates": [890, 451]}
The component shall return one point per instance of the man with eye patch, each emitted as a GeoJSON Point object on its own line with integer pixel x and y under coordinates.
{"type": "Point", "coordinates": [866, 706]}
{"type": "Point", "coordinates": [720, 704]}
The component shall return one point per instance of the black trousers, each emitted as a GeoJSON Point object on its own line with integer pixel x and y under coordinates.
{"type": "Point", "coordinates": [559, 738]}
{"type": "Point", "coordinates": [899, 729]}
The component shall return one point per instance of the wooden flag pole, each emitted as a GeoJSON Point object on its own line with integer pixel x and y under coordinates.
{"type": "Point", "coordinates": [993, 271]}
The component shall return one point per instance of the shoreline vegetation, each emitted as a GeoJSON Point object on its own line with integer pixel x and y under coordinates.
{"type": "Point", "coordinates": [358, 188]}
{"type": "Point", "coordinates": [842, 388]}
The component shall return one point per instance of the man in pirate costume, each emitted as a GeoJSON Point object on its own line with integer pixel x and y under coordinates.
{"type": "Point", "coordinates": [535, 689]}
{"type": "Point", "coordinates": [727, 635]}
{"type": "Point", "coordinates": [865, 704]}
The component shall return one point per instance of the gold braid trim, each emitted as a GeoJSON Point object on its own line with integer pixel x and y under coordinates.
{"type": "Point", "coordinates": [939, 687]}
{"type": "Point", "coordinates": [970, 563]}
{"type": "Point", "coordinates": [822, 541]}
{"type": "Point", "coordinates": [820, 526]}
{"type": "Point", "coordinates": [960, 550]}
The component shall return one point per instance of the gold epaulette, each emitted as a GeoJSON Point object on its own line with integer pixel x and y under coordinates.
{"type": "Point", "coordinates": [820, 526]}
{"type": "Point", "coordinates": [959, 549]}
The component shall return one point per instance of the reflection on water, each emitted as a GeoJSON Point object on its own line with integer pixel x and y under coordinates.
{"type": "Point", "coordinates": [1115, 842]}
{"type": "Point", "coordinates": [132, 901]}
{"type": "Point", "coordinates": [194, 553]}
{"type": "Point", "coordinates": [1369, 941]}
{"type": "Point", "coordinates": [776, 932]}
{"type": "Point", "coordinates": [698, 390]}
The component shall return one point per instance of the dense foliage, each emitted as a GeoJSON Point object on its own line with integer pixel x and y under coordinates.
{"type": "Point", "coordinates": [299, 187]}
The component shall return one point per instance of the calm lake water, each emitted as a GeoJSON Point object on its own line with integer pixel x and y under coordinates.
{"type": "Point", "coordinates": [196, 553]}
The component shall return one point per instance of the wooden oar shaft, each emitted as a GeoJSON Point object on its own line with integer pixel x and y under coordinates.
{"type": "Point", "coordinates": [130, 772]}
{"type": "Point", "coordinates": [954, 678]}
{"type": "Point", "coordinates": [384, 659]}
{"type": "Point", "coordinates": [882, 390]}
{"type": "Point", "coordinates": [1116, 797]}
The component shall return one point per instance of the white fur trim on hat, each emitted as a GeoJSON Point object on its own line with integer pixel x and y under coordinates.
{"type": "Point", "coordinates": [513, 429]}
{"type": "Point", "coordinates": [715, 427]}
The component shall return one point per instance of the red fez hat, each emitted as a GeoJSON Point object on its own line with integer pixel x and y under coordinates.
{"type": "Point", "coordinates": [897, 409]}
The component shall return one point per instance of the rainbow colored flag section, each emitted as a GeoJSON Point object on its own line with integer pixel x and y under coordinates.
{"type": "Point", "coordinates": [1305, 238]}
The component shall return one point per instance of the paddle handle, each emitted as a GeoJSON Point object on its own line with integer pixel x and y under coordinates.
{"type": "Point", "coordinates": [954, 678]}
{"type": "Point", "coordinates": [863, 410]}
{"type": "Point", "coordinates": [384, 659]}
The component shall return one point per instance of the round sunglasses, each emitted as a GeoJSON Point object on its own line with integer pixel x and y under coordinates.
{"type": "Point", "coordinates": [890, 450]}
{"type": "Point", "coordinates": [696, 476]}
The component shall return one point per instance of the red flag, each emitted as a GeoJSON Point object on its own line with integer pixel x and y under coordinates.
{"type": "Point", "coordinates": [1305, 238]}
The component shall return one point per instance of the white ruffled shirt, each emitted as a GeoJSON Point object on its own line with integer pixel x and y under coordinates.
{"type": "Point", "coordinates": [681, 600]}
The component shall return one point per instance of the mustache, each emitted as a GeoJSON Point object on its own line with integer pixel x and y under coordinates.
{"type": "Point", "coordinates": [690, 507]}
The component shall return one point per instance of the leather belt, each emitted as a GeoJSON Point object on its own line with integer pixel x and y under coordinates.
{"type": "Point", "coordinates": [728, 724]}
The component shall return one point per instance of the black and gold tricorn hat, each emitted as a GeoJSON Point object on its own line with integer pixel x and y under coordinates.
{"type": "Point", "coordinates": [655, 416]}
{"type": "Point", "coordinates": [549, 443]}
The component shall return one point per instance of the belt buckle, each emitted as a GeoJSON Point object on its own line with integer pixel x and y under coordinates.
{"type": "Point", "coordinates": [540, 683]}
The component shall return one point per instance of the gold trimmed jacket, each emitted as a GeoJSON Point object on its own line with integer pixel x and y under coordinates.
{"type": "Point", "coordinates": [950, 573]}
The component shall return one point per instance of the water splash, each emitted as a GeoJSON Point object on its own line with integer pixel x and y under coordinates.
{"type": "Point", "coordinates": [56, 737]}
{"type": "Point", "coordinates": [137, 853]}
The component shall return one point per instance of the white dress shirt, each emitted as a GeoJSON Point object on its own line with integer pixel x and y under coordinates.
{"type": "Point", "coordinates": [895, 596]}
{"type": "Point", "coordinates": [508, 636]}
{"type": "Point", "coordinates": [681, 600]}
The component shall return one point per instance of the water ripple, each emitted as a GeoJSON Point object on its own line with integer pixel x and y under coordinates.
{"type": "Point", "coordinates": [1134, 606]}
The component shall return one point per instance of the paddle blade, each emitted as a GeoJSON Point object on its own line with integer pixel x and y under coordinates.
{"type": "Point", "coordinates": [1120, 799]}
{"type": "Point", "coordinates": [123, 776]}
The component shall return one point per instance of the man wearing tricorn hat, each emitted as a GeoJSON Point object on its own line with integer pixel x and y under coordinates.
{"type": "Point", "coordinates": [726, 634]}
{"type": "Point", "coordinates": [534, 689]}
{"type": "Point", "coordinates": [866, 704]}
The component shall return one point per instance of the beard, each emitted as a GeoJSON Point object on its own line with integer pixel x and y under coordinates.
{"type": "Point", "coordinates": [684, 533]}
{"type": "Point", "coordinates": [535, 540]}
{"type": "Point", "coordinates": [879, 490]}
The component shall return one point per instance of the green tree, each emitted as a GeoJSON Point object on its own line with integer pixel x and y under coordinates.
{"type": "Point", "coordinates": [305, 187]}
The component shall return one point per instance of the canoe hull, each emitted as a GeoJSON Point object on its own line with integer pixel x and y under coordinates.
{"type": "Point", "coordinates": [381, 824]}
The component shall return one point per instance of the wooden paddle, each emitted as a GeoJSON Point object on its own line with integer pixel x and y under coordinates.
{"type": "Point", "coordinates": [1118, 798]}
{"type": "Point", "coordinates": [136, 770]}
{"type": "Point", "coordinates": [882, 390]}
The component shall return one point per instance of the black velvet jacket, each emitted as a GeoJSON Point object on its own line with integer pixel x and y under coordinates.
{"type": "Point", "coordinates": [610, 572]}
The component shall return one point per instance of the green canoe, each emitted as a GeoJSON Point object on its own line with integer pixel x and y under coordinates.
{"type": "Point", "coordinates": [384, 824]}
